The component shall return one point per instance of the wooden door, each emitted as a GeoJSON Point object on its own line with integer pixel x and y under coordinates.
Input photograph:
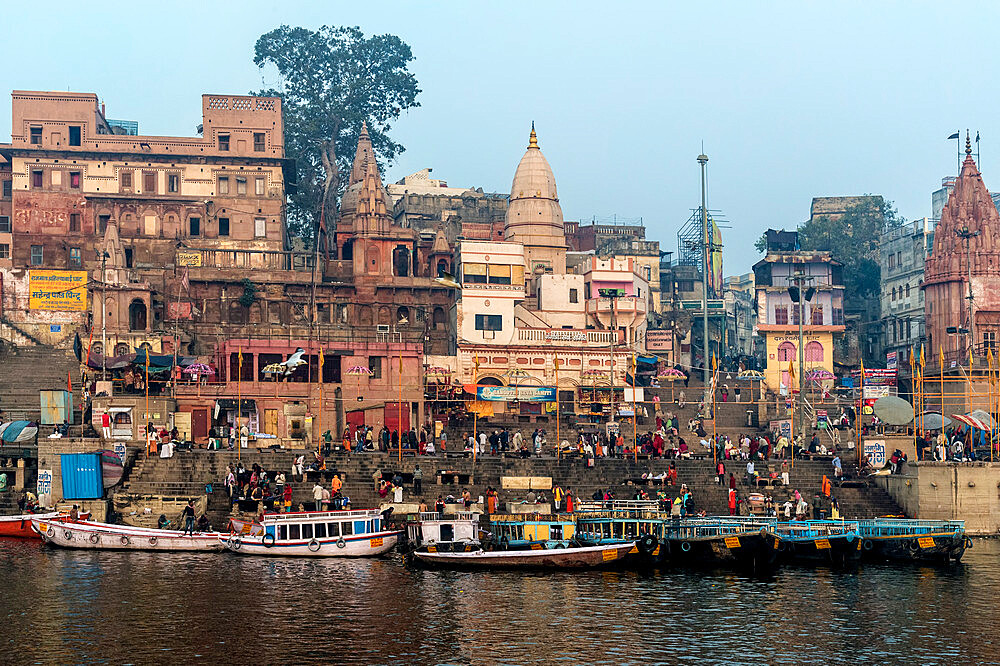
{"type": "Point", "coordinates": [271, 422]}
{"type": "Point", "coordinates": [199, 425]}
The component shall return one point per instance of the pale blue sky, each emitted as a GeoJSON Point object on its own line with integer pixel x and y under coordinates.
{"type": "Point", "coordinates": [792, 100]}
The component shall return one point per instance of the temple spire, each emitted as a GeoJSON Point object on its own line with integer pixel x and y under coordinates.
{"type": "Point", "coordinates": [364, 154]}
{"type": "Point", "coordinates": [968, 143]}
{"type": "Point", "coordinates": [533, 138]}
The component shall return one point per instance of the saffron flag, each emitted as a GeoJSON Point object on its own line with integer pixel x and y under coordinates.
{"type": "Point", "coordinates": [69, 380]}
{"type": "Point", "coordinates": [791, 372]}
{"type": "Point", "coordinates": [941, 355]}
{"type": "Point", "coordinates": [241, 360]}
{"type": "Point", "coordinates": [921, 356]}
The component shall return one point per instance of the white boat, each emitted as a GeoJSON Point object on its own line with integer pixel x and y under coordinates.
{"type": "Point", "coordinates": [314, 534]}
{"type": "Point", "coordinates": [456, 532]}
{"type": "Point", "coordinates": [104, 536]}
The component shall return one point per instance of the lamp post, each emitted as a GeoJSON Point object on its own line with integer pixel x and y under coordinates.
{"type": "Point", "coordinates": [967, 235]}
{"type": "Point", "coordinates": [798, 280]}
{"type": "Point", "coordinates": [705, 267]}
{"type": "Point", "coordinates": [104, 307]}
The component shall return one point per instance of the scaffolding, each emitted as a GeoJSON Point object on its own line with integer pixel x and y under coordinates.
{"type": "Point", "coordinates": [690, 243]}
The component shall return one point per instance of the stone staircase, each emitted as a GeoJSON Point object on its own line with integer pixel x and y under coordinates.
{"type": "Point", "coordinates": [26, 370]}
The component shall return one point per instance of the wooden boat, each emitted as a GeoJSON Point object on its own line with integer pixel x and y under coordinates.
{"type": "Point", "coordinates": [833, 541]}
{"type": "Point", "coordinates": [575, 557]}
{"type": "Point", "coordinates": [908, 540]}
{"type": "Point", "coordinates": [104, 536]}
{"type": "Point", "coordinates": [530, 531]}
{"type": "Point", "coordinates": [20, 526]}
{"type": "Point", "coordinates": [313, 534]}
{"type": "Point", "coordinates": [711, 542]}
{"type": "Point", "coordinates": [622, 521]}
{"type": "Point", "coordinates": [458, 532]}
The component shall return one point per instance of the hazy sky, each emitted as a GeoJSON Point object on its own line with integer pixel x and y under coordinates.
{"type": "Point", "coordinates": [792, 100]}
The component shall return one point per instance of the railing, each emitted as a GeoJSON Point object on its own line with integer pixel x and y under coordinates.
{"type": "Point", "coordinates": [889, 527]}
{"type": "Point", "coordinates": [809, 529]}
{"type": "Point", "coordinates": [617, 505]}
{"type": "Point", "coordinates": [319, 515]}
{"type": "Point", "coordinates": [566, 335]}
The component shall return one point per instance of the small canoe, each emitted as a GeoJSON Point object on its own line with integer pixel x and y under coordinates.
{"type": "Point", "coordinates": [20, 526]}
{"type": "Point", "coordinates": [103, 536]}
{"type": "Point", "coordinates": [558, 558]}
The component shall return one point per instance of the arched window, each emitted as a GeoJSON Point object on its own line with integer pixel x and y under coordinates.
{"type": "Point", "coordinates": [237, 313]}
{"type": "Point", "coordinates": [365, 315]}
{"type": "Point", "coordinates": [137, 316]}
{"type": "Point", "coordinates": [442, 267]}
{"type": "Point", "coordinates": [121, 349]}
{"type": "Point", "coordinates": [814, 352]}
{"type": "Point", "coordinates": [402, 316]}
{"type": "Point", "coordinates": [438, 317]}
{"type": "Point", "coordinates": [786, 351]}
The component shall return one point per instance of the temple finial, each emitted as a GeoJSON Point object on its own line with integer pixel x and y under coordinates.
{"type": "Point", "coordinates": [533, 139]}
{"type": "Point", "coordinates": [968, 143]}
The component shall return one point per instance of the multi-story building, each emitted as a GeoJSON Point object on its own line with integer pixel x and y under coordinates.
{"type": "Point", "coordinates": [741, 316]}
{"type": "Point", "coordinates": [902, 252]}
{"type": "Point", "coordinates": [593, 236]}
{"type": "Point", "coordinates": [778, 316]}
{"type": "Point", "coordinates": [6, 211]}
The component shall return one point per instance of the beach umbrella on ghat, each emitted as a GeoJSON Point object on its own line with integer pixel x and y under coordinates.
{"type": "Point", "coordinates": [935, 421]}
{"type": "Point", "coordinates": [670, 375]}
{"type": "Point", "coordinates": [820, 375]}
{"type": "Point", "coordinates": [893, 410]}
{"type": "Point", "coordinates": [750, 375]}
{"type": "Point", "coordinates": [358, 371]}
{"type": "Point", "coordinates": [198, 370]}
{"type": "Point", "coordinates": [977, 419]}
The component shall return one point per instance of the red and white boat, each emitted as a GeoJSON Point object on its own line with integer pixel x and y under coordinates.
{"type": "Point", "coordinates": [313, 534]}
{"type": "Point", "coordinates": [104, 536]}
{"type": "Point", "coordinates": [20, 527]}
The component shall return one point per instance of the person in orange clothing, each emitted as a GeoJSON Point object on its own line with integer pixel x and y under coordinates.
{"type": "Point", "coordinates": [827, 486]}
{"type": "Point", "coordinates": [569, 501]}
{"type": "Point", "coordinates": [336, 484]}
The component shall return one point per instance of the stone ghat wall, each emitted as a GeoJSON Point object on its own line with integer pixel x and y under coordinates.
{"type": "Point", "coordinates": [950, 491]}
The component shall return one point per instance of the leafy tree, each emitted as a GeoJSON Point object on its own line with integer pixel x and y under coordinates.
{"type": "Point", "coordinates": [852, 238]}
{"type": "Point", "coordinates": [332, 79]}
{"type": "Point", "coordinates": [761, 243]}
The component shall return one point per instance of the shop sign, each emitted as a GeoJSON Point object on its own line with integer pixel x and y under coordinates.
{"type": "Point", "coordinates": [516, 393]}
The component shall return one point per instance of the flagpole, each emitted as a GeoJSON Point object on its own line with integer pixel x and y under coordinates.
{"type": "Point", "coordinates": [714, 415]}
{"type": "Point", "coordinates": [635, 415]}
{"type": "Point", "coordinates": [558, 440]}
{"type": "Point", "coordinates": [147, 394]}
{"type": "Point", "coordinates": [399, 404]}
{"type": "Point", "coordinates": [791, 393]}
{"type": "Point", "coordinates": [239, 405]}
{"type": "Point", "coordinates": [319, 413]}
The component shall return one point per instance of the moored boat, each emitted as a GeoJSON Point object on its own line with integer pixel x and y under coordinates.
{"type": "Point", "coordinates": [909, 540]}
{"type": "Point", "coordinates": [314, 534]}
{"type": "Point", "coordinates": [104, 536]}
{"type": "Point", "coordinates": [20, 526]}
{"type": "Point", "coordinates": [530, 531]}
{"type": "Point", "coordinates": [573, 557]}
{"type": "Point", "coordinates": [833, 541]}
{"type": "Point", "coordinates": [433, 532]}
{"type": "Point", "coordinates": [622, 521]}
{"type": "Point", "coordinates": [709, 542]}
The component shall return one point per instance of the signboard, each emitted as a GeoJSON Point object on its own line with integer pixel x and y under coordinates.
{"type": "Point", "coordinates": [178, 310]}
{"type": "Point", "coordinates": [875, 450]}
{"type": "Point", "coordinates": [876, 377]}
{"type": "Point", "coordinates": [43, 487]}
{"type": "Point", "coordinates": [890, 360]}
{"type": "Point", "coordinates": [659, 340]}
{"type": "Point", "coordinates": [57, 290]}
{"type": "Point", "coordinates": [560, 334]}
{"type": "Point", "coordinates": [782, 427]}
{"type": "Point", "coordinates": [876, 392]}
{"type": "Point", "coordinates": [822, 419]}
{"type": "Point", "coordinates": [121, 451]}
{"type": "Point", "coordinates": [516, 393]}
{"type": "Point", "coordinates": [868, 406]}
{"type": "Point", "coordinates": [188, 258]}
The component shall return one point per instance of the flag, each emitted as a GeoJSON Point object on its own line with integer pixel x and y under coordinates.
{"type": "Point", "coordinates": [185, 281]}
{"type": "Point", "coordinates": [715, 363]}
{"type": "Point", "coordinates": [953, 136]}
{"type": "Point", "coordinates": [321, 361]}
{"type": "Point", "coordinates": [240, 358]}
{"type": "Point", "coordinates": [912, 356]}
{"type": "Point", "coordinates": [69, 380]}
{"type": "Point", "coordinates": [989, 358]}
{"type": "Point", "coordinates": [921, 356]}
{"type": "Point", "coordinates": [941, 356]}
{"type": "Point", "coordinates": [791, 372]}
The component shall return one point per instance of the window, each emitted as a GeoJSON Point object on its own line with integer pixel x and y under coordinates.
{"type": "Point", "coordinates": [126, 178]}
{"type": "Point", "coordinates": [786, 352]}
{"type": "Point", "coordinates": [990, 340]}
{"type": "Point", "coordinates": [474, 273]}
{"type": "Point", "coordinates": [102, 223]}
{"type": "Point", "coordinates": [375, 365]}
{"type": "Point", "coordinates": [36, 255]}
{"type": "Point", "coordinates": [8, 189]}
{"type": "Point", "coordinates": [259, 227]}
{"type": "Point", "coordinates": [574, 295]}
{"type": "Point", "coordinates": [194, 226]}
{"type": "Point", "coordinates": [36, 178]}
{"type": "Point", "coordinates": [293, 532]}
{"type": "Point", "coordinates": [486, 322]}
{"type": "Point", "coordinates": [74, 257]}
{"type": "Point", "coordinates": [499, 275]}
{"type": "Point", "coordinates": [893, 293]}
{"type": "Point", "coordinates": [816, 314]}
{"type": "Point", "coordinates": [895, 333]}
{"type": "Point", "coordinates": [4, 224]}
{"type": "Point", "coordinates": [346, 529]}
{"type": "Point", "coordinates": [892, 261]}
{"type": "Point", "coordinates": [149, 182]}
{"type": "Point", "coordinates": [907, 289]}
{"type": "Point", "coordinates": [258, 142]}
{"type": "Point", "coordinates": [173, 183]}
{"type": "Point", "coordinates": [307, 531]}
{"type": "Point", "coordinates": [814, 352]}
{"type": "Point", "coordinates": [899, 258]}
{"type": "Point", "coordinates": [647, 273]}
{"type": "Point", "coordinates": [4, 251]}
{"type": "Point", "coordinates": [36, 136]}
{"type": "Point", "coordinates": [781, 314]}
{"type": "Point", "coordinates": [74, 222]}
{"type": "Point", "coordinates": [319, 530]}
{"type": "Point", "coordinates": [685, 285]}
{"type": "Point", "coordinates": [258, 186]}
{"type": "Point", "coordinates": [838, 316]}
{"type": "Point", "coordinates": [241, 185]}
{"type": "Point", "coordinates": [74, 135]}
{"type": "Point", "coordinates": [796, 310]}
{"type": "Point", "coordinates": [223, 226]}
{"type": "Point", "coordinates": [224, 142]}
{"type": "Point", "coordinates": [223, 185]}
{"type": "Point", "coordinates": [74, 180]}
{"type": "Point", "coordinates": [334, 529]}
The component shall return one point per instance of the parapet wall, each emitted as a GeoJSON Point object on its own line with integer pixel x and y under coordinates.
{"type": "Point", "coordinates": [949, 491]}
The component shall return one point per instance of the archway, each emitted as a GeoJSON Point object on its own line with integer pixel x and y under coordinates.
{"type": "Point", "coordinates": [137, 315]}
{"type": "Point", "coordinates": [403, 316]}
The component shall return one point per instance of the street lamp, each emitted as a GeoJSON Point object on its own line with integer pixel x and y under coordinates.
{"type": "Point", "coordinates": [705, 267]}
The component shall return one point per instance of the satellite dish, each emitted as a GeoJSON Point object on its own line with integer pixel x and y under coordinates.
{"type": "Point", "coordinates": [893, 410]}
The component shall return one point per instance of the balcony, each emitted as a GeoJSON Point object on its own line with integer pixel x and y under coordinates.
{"type": "Point", "coordinates": [627, 305]}
{"type": "Point", "coordinates": [566, 336]}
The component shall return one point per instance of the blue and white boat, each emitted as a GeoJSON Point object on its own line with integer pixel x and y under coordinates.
{"type": "Point", "coordinates": [313, 534]}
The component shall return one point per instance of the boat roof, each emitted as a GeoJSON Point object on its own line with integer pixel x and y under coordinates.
{"type": "Point", "coordinates": [320, 516]}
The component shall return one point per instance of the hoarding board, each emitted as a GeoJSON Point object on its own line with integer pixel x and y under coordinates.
{"type": "Point", "coordinates": [57, 290]}
{"type": "Point", "coordinates": [516, 393]}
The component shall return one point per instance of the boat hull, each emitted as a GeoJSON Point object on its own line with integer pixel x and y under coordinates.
{"type": "Point", "coordinates": [586, 557]}
{"type": "Point", "coordinates": [946, 547]}
{"type": "Point", "coordinates": [102, 536]}
{"type": "Point", "coordinates": [19, 527]}
{"type": "Point", "coordinates": [837, 549]}
{"type": "Point", "coordinates": [363, 545]}
{"type": "Point", "coordinates": [756, 551]}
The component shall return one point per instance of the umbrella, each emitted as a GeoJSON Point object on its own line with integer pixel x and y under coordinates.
{"type": "Point", "coordinates": [198, 369]}
{"type": "Point", "coordinates": [273, 369]}
{"type": "Point", "coordinates": [750, 375]}
{"type": "Point", "coordinates": [359, 370]}
{"type": "Point", "coordinates": [818, 375]}
{"type": "Point", "coordinates": [670, 374]}
{"type": "Point", "coordinates": [974, 421]}
{"type": "Point", "coordinates": [894, 410]}
{"type": "Point", "coordinates": [935, 421]}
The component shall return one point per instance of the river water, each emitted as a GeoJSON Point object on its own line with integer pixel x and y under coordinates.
{"type": "Point", "coordinates": [105, 607]}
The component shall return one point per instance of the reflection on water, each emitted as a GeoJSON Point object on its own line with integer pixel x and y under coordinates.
{"type": "Point", "coordinates": [86, 607]}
